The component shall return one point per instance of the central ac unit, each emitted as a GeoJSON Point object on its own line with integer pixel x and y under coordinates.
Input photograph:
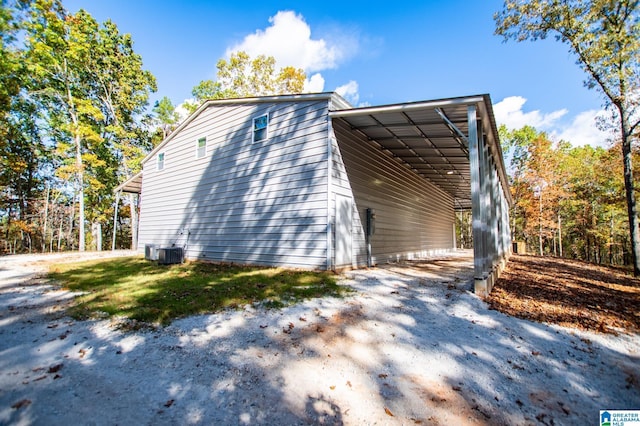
{"type": "Point", "coordinates": [150, 252]}
{"type": "Point", "coordinates": [170, 255]}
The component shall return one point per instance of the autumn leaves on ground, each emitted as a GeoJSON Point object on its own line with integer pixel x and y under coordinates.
{"type": "Point", "coordinates": [569, 293]}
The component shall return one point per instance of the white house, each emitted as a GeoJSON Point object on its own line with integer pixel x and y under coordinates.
{"type": "Point", "coordinates": [309, 181]}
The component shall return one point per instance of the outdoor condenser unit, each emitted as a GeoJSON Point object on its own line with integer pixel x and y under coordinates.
{"type": "Point", "coordinates": [169, 255]}
{"type": "Point", "coordinates": [150, 252]}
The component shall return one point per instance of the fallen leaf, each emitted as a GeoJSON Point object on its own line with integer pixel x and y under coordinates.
{"type": "Point", "coordinates": [332, 387]}
{"type": "Point", "coordinates": [82, 352]}
{"type": "Point", "coordinates": [535, 353]}
{"type": "Point", "coordinates": [389, 413]}
{"type": "Point", "coordinates": [456, 388]}
{"type": "Point", "coordinates": [320, 329]}
{"type": "Point", "coordinates": [169, 403]}
{"type": "Point", "coordinates": [21, 403]}
{"type": "Point", "coordinates": [349, 383]}
{"type": "Point", "coordinates": [382, 376]}
{"type": "Point", "coordinates": [303, 319]}
{"type": "Point", "coordinates": [55, 368]}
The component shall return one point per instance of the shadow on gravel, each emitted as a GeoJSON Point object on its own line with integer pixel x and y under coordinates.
{"type": "Point", "coordinates": [412, 347]}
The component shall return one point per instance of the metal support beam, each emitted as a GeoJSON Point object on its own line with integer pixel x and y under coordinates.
{"type": "Point", "coordinates": [479, 274]}
{"type": "Point", "coordinates": [115, 221]}
{"type": "Point", "coordinates": [485, 206]}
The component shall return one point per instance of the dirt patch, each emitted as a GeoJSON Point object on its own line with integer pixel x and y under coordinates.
{"type": "Point", "coordinates": [569, 293]}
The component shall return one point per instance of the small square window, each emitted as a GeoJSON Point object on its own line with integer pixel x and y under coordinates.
{"type": "Point", "coordinates": [160, 161]}
{"type": "Point", "coordinates": [201, 147]}
{"type": "Point", "coordinates": [261, 128]}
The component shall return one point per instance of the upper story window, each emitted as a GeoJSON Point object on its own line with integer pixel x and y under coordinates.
{"type": "Point", "coordinates": [201, 147]}
{"type": "Point", "coordinates": [261, 128]}
{"type": "Point", "coordinates": [160, 161]}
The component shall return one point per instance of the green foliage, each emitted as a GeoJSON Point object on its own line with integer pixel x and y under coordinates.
{"type": "Point", "coordinates": [603, 34]}
{"type": "Point", "coordinates": [141, 290]}
{"type": "Point", "coordinates": [605, 37]}
{"type": "Point", "coordinates": [242, 77]}
{"type": "Point", "coordinates": [165, 116]}
{"type": "Point", "coordinates": [72, 102]}
{"type": "Point", "coordinates": [569, 196]}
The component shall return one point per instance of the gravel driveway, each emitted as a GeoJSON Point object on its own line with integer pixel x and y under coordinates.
{"type": "Point", "coordinates": [413, 345]}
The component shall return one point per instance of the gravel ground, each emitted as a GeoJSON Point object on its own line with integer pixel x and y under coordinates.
{"type": "Point", "coordinates": [413, 345]}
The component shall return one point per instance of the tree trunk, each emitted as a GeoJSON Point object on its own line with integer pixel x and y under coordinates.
{"type": "Point", "coordinates": [540, 225]}
{"type": "Point", "coordinates": [560, 234]}
{"type": "Point", "coordinates": [134, 221]}
{"type": "Point", "coordinates": [80, 173]}
{"type": "Point", "coordinates": [46, 216]}
{"type": "Point", "coordinates": [634, 231]}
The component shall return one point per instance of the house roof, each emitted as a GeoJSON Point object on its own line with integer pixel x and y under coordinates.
{"type": "Point", "coordinates": [431, 138]}
{"type": "Point", "coordinates": [132, 185]}
{"type": "Point", "coordinates": [336, 100]}
{"type": "Point", "coordinates": [428, 136]}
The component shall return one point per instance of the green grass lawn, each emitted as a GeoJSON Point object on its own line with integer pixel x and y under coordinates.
{"type": "Point", "coordinates": [144, 291]}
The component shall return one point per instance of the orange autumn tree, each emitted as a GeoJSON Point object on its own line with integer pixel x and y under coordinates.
{"type": "Point", "coordinates": [538, 185]}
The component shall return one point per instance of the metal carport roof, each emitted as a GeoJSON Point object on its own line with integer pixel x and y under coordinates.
{"type": "Point", "coordinates": [431, 137]}
{"type": "Point", "coordinates": [132, 185]}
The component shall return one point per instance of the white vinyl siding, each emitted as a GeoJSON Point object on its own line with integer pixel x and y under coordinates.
{"type": "Point", "coordinates": [413, 217]}
{"type": "Point", "coordinates": [247, 203]}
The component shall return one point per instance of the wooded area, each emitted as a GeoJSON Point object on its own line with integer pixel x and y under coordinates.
{"type": "Point", "coordinates": [75, 122]}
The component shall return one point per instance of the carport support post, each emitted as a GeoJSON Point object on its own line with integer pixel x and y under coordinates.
{"type": "Point", "coordinates": [479, 272]}
{"type": "Point", "coordinates": [115, 221]}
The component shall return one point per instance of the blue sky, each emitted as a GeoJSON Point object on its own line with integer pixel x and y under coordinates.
{"type": "Point", "coordinates": [373, 54]}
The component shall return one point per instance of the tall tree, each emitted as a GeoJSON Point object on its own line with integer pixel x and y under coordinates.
{"type": "Point", "coordinates": [59, 59]}
{"type": "Point", "coordinates": [538, 183]}
{"type": "Point", "coordinates": [605, 37]}
{"type": "Point", "coordinates": [166, 116]}
{"type": "Point", "coordinates": [241, 76]}
{"type": "Point", "coordinates": [92, 86]}
{"type": "Point", "coordinates": [122, 88]}
{"type": "Point", "coordinates": [22, 152]}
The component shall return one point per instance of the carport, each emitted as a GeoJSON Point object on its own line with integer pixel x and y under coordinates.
{"type": "Point", "coordinates": [454, 144]}
{"type": "Point", "coordinates": [132, 187]}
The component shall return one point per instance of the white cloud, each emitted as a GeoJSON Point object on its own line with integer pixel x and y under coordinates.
{"type": "Point", "coordinates": [509, 112]}
{"type": "Point", "coordinates": [581, 130]}
{"type": "Point", "coordinates": [349, 91]}
{"type": "Point", "coordinates": [182, 111]}
{"type": "Point", "coordinates": [314, 84]}
{"type": "Point", "coordinates": [289, 41]}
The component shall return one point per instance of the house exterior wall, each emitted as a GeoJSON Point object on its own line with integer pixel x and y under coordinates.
{"type": "Point", "coordinates": [247, 202]}
{"type": "Point", "coordinates": [413, 217]}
